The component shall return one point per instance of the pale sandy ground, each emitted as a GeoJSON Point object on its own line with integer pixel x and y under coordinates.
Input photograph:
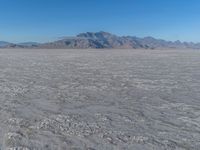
{"type": "Point", "coordinates": [100, 99]}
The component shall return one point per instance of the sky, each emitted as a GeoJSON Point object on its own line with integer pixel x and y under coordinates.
{"type": "Point", "coordinates": [47, 20]}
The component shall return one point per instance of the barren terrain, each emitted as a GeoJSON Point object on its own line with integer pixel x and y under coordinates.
{"type": "Point", "coordinates": [99, 99]}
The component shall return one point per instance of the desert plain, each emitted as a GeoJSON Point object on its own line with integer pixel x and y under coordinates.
{"type": "Point", "coordinates": [99, 99]}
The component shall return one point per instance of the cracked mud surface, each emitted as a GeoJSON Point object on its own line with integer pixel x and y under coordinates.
{"type": "Point", "coordinates": [99, 99]}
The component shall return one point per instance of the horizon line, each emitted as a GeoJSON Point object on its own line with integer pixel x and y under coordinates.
{"type": "Point", "coordinates": [53, 39]}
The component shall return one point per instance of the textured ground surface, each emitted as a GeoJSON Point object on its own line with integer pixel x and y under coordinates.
{"type": "Point", "coordinates": [99, 99]}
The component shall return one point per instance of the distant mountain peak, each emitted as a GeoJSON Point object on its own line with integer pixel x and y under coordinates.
{"type": "Point", "coordinates": [104, 39]}
{"type": "Point", "coordinates": [95, 35]}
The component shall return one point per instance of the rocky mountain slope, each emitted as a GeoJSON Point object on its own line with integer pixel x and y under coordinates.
{"type": "Point", "coordinates": [95, 40]}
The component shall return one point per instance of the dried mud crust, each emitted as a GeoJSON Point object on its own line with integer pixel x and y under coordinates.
{"type": "Point", "coordinates": [99, 99]}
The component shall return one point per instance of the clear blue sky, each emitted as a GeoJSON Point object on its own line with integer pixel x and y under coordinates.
{"type": "Point", "coordinates": [44, 20]}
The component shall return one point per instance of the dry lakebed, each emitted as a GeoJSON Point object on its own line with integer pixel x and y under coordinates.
{"type": "Point", "coordinates": [99, 99]}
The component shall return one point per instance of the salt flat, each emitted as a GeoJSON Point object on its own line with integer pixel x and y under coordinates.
{"type": "Point", "coordinates": [99, 99]}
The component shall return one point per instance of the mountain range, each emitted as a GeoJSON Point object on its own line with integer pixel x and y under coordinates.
{"type": "Point", "coordinates": [105, 40]}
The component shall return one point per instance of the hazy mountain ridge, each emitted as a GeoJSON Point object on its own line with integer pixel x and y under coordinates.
{"type": "Point", "coordinates": [97, 40]}
{"type": "Point", "coordinates": [3, 43]}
